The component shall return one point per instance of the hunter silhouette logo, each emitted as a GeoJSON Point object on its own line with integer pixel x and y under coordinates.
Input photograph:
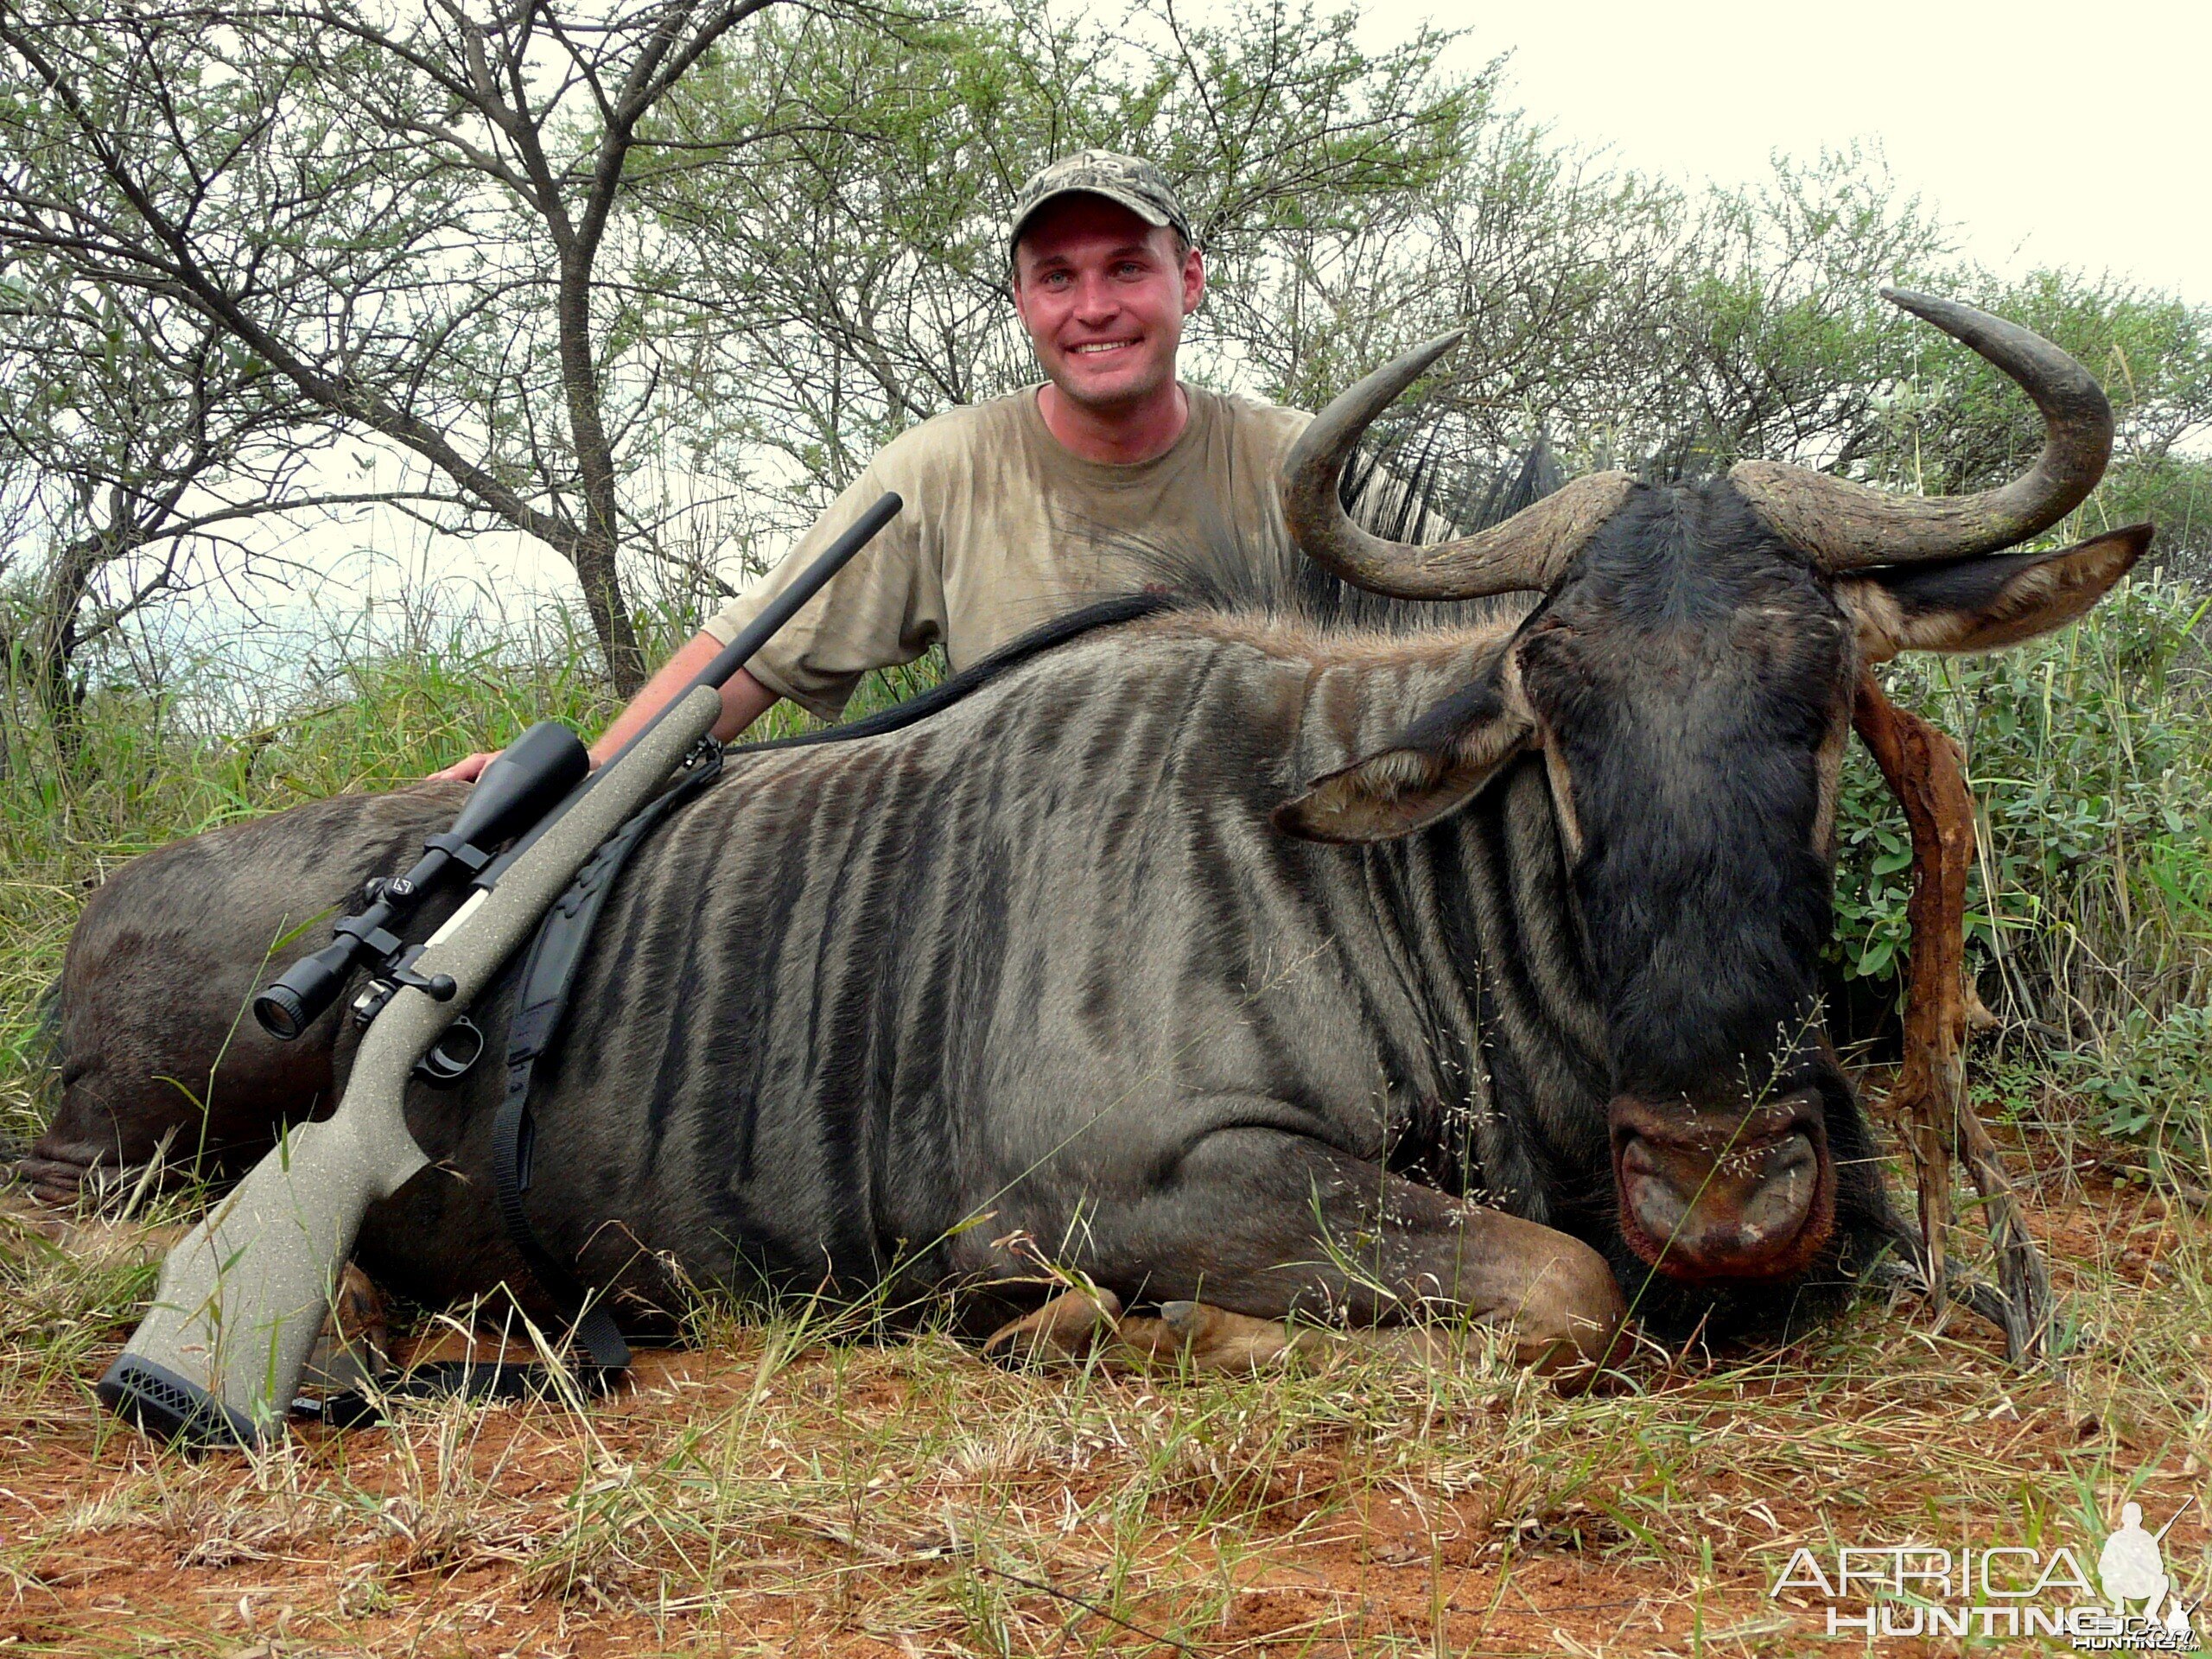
{"type": "Point", "coordinates": [2002, 1590]}
{"type": "Point", "coordinates": [2133, 1570]}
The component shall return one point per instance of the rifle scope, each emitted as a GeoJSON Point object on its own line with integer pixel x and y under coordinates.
{"type": "Point", "coordinates": [521, 784]}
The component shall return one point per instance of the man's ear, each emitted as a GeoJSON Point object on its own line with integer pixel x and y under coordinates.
{"type": "Point", "coordinates": [1987, 602]}
{"type": "Point", "coordinates": [1433, 770]}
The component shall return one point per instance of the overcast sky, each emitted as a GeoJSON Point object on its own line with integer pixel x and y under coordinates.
{"type": "Point", "coordinates": [2050, 135]}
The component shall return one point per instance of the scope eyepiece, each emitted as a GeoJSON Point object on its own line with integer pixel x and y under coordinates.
{"type": "Point", "coordinates": [303, 993]}
{"type": "Point", "coordinates": [281, 1012]}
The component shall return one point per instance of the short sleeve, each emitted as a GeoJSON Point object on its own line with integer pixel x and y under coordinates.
{"type": "Point", "coordinates": [886, 607]}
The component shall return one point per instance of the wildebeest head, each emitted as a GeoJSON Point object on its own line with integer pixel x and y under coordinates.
{"type": "Point", "coordinates": [1688, 678]}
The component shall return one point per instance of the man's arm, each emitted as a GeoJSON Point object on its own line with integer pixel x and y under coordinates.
{"type": "Point", "coordinates": [744, 700]}
{"type": "Point", "coordinates": [886, 607]}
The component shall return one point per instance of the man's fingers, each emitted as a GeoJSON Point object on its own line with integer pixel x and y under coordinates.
{"type": "Point", "coordinates": [462, 772]}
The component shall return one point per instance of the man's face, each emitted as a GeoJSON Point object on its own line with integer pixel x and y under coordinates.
{"type": "Point", "coordinates": [1103, 295]}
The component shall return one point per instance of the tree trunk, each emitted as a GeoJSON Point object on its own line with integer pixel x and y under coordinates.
{"type": "Point", "coordinates": [594, 558]}
{"type": "Point", "coordinates": [594, 553]}
{"type": "Point", "coordinates": [54, 642]}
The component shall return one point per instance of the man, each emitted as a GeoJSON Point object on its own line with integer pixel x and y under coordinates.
{"type": "Point", "coordinates": [1023, 508]}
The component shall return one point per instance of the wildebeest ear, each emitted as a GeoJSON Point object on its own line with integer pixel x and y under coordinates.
{"type": "Point", "coordinates": [1984, 603]}
{"type": "Point", "coordinates": [1432, 770]}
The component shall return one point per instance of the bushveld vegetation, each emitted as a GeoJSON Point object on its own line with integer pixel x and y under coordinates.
{"type": "Point", "coordinates": [775, 294]}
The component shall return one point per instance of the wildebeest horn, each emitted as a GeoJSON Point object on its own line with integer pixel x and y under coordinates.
{"type": "Point", "coordinates": [1847, 525]}
{"type": "Point", "coordinates": [1527, 551]}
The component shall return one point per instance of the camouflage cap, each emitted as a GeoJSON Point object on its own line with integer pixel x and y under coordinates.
{"type": "Point", "coordinates": [1137, 185]}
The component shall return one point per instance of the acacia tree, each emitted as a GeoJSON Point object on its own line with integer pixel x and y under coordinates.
{"type": "Point", "coordinates": [425, 229]}
{"type": "Point", "coordinates": [832, 207]}
{"type": "Point", "coordinates": [400, 222]}
{"type": "Point", "coordinates": [136, 442]}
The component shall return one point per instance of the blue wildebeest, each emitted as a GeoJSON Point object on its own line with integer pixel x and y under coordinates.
{"type": "Point", "coordinates": [1270, 945]}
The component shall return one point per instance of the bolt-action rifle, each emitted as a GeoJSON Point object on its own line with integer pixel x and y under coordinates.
{"type": "Point", "coordinates": [242, 1296]}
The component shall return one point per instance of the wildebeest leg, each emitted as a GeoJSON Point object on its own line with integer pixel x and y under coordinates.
{"type": "Point", "coordinates": [1214, 1339]}
{"type": "Point", "coordinates": [1271, 1224]}
{"type": "Point", "coordinates": [1079, 1326]}
{"type": "Point", "coordinates": [353, 1348]}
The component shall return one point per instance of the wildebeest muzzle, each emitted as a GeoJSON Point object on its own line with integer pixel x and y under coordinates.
{"type": "Point", "coordinates": [1742, 1195]}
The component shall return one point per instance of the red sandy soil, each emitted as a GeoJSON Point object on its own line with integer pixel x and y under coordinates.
{"type": "Point", "coordinates": [343, 1552]}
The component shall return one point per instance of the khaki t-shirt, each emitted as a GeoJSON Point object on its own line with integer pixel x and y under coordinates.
{"type": "Point", "coordinates": [1003, 529]}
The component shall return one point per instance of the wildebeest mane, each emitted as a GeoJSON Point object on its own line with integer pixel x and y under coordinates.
{"type": "Point", "coordinates": [1129, 607]}
{"type": "Point", "coordinates": [1393, 490]}
{"type": "Point", "coordinates": [1241, 574]}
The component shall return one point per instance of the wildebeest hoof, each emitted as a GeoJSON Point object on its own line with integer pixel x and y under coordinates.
{"type": "Point", "coordinates": [353, 1348]}
{"type": "Point", "coordinates": [1209, 1339]}
{"type": "Point", "coordinates": [1568, 1327]}
{"type": "Point", "coordinates": [1069, 1328]}
{"type": "Point", "coordinates": [1079, 1325]}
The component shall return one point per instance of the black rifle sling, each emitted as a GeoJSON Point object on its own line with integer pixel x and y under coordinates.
{"type": "Point", "coordinates": [549, 973]}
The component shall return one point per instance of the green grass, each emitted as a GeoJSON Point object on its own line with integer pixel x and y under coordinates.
{"type": "Point", "coordinates": [152, 767]}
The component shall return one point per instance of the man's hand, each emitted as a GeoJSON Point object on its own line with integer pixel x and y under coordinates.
{"type": "Point", "coordinates": [464, 771]}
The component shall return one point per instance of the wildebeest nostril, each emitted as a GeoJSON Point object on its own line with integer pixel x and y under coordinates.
{"type": "Point", "coordinates": [1788, 1181]}
{"type": "Point", "coordinates": [1648, 1190]}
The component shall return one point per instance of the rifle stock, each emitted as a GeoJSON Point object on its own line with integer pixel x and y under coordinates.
{"type": "Point", "coordinates": [242, 1296]}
